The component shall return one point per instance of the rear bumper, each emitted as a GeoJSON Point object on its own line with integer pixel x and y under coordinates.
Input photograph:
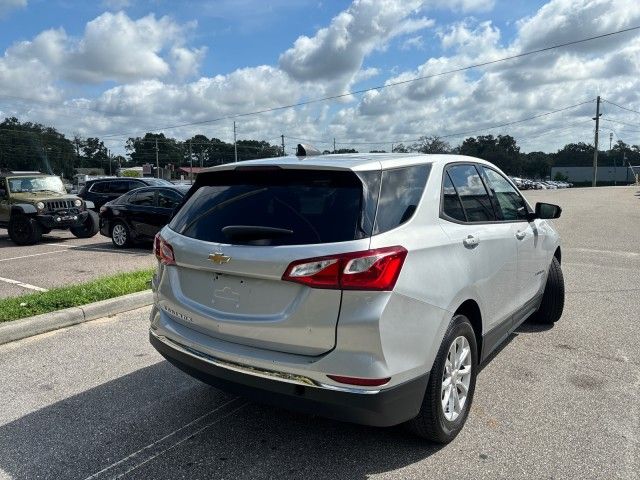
{"type": "Point", "coordinates": [381, 408]}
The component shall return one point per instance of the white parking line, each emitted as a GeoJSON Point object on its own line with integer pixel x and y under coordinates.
{"type": "Point", "coordinates": [87, 248]}
{"type": "Point", "coordinates": [33, 255]}
{"type": "Point", "coordinates": [152, 453]}
{"type": "Point", "coordinates": [23, 285]}
{"type": "Point", "coordinates": [622, 253]}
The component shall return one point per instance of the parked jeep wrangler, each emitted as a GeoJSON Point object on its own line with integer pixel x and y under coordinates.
{"type": "Point", "coordinates": [33, 204]}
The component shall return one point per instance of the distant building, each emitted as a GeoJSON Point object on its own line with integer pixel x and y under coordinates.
{"type": "Point", "coordinates": [621, 175]}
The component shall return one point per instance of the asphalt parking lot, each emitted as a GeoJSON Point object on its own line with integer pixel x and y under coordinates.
{"type": "Point", "coordinates": [95, 400]}
{"type": "Point", "coordinates": [61, 259]}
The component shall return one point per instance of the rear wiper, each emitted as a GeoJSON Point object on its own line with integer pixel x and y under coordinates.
{"type": "Point", "coordinates": [248, 233]}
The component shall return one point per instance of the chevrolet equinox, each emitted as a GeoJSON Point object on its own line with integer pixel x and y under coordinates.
{"type": "Point", "coordinates": [366, 288]}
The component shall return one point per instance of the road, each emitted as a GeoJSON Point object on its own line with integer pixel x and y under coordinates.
{"type": "Point", "coordinates": [95, 400]}
{"type": "Point", "coordinates": [62, 259]}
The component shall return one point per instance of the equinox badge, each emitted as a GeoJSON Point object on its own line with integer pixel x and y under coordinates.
{"type": "Point", "coordinates": [219, 258]}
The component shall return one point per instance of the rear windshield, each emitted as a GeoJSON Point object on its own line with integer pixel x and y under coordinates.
{"type": "Point", "coordinates": [279, 207]}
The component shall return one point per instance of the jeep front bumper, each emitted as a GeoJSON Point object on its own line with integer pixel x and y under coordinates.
{"type": "Point", "coordinates": [66, 220]}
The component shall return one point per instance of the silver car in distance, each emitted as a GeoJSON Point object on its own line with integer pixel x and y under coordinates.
{"type": "Point", "coordinates": [366, 288]}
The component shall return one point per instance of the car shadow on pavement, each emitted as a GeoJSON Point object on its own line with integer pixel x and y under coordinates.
{"type": "Point", "coordinates": [159, 423]}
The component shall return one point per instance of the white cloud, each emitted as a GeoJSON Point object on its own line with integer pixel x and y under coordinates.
{"type": "Point", "coordinates": [416, 42]}
{"type": "Point", "coordinates": [464, 37]}
{"type": "Point", "coordinates": [118, 48]}
{"type": "Point", "coordinates": [336, 53]}
{"type": "Point", "coordinates": [113, 47]}
{"type": "Point", "coordinates": [7, 6]}
{"type": "Point", "coordinates": [464, 6]}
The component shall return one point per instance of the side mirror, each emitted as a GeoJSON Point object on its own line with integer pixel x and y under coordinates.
{"type": "Point", "coordinates": [547, 211]}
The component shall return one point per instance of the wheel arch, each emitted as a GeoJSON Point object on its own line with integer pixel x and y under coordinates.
{"type": "Point", "coordinates": [470, 309]}
{"type": "Point", "coordinates": [558, 255]}
{"type": "Point", "coordinates": [23, 209]}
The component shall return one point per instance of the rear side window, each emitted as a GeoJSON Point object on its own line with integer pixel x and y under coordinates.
{"type": "Point", "coordinates": [143, 198]}
{"type": "Point", "coordinates": [100, 187]}
{"type": "Point", "coordinates": [473, 195]}
{"type": "Point", "coordinates": [399, 196]}
{"type": "Point", "coordinates": [451, 205]}
{"type": "Point", "coordinates": [119, 186]}
{"type": "Point", "coordinates": [275, 207]}
{"type": "Point", "coordinates": [168, 199]}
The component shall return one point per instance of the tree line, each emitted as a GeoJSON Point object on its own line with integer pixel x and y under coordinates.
{"type": "Point", "coordinates": [32, 146]}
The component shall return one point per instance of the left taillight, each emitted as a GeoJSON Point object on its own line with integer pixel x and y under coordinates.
{"type": "Point", "coordinates": [376, 269]}
{"type": "Point", "coordinates": [163, 251]}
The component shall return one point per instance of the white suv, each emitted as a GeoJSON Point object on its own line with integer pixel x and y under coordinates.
{"type": "Point", "coordinates": [366, 288]}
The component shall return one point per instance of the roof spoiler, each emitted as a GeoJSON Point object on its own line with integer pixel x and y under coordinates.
{"type": "Point", "coordinates": [306, 150]}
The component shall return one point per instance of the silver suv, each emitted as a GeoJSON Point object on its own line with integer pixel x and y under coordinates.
{"type": "Point", "coordinates": [365, 288]}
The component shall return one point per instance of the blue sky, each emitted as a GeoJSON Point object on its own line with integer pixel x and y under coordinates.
{"type": "Point", "coordinates": [134, 64]}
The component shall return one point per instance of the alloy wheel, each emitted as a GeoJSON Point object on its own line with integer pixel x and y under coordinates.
{"type": "Point", "coordinates": [456, 378]}
{"type": "Point", "coordinates": [119, 234]}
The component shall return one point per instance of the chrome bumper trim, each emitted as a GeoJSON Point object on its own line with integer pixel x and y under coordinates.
{"type": "Point", "coordinates": [254, 371]}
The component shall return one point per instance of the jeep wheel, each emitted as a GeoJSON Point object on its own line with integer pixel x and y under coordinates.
{"type": "Point", "coordinates": [89, 228]}
{"type": "Point", "coordinates": [451, 385]}
{"type": "Point", "coordinates": [24, 230]}
{"type": "Point", "coordinates": [550, 309]}
{"type": "Point", "coordinates": [120, 235]}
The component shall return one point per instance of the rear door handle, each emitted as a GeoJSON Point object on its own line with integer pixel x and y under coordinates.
{"type": "Point", "coordinates": [470, 241]}
{"type": "Point", "coordinates": [521, 234]}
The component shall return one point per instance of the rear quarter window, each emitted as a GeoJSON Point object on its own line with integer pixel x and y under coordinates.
{"type": "Point", "coordinates": [400, 195]}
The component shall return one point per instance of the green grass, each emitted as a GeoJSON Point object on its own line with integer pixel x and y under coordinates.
{"type": "Point", "coordinates": [75, 295]}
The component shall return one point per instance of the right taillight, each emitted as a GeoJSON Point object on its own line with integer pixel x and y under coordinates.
{"type": "Point", "coordinates": [163, 251]}
{"type": "Point", "coordinates": [376, 269]}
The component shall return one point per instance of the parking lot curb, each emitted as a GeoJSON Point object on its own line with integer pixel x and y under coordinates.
{"type": "Point", "coordinates": [47, 322]}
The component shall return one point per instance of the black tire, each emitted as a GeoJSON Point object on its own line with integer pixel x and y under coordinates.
{"type": "Point", "coordinates": [89, 228]}
{"type": "Point", "coordinates": [124, 230]}
{"type": "Point", "coordinates": [552, 304]}
{"type": "Point", "coordinates": [431, 423]}
{"type": "Point", "coordinates": [24, 230]}
{"type": "Point", "coordinates": [45, 230]}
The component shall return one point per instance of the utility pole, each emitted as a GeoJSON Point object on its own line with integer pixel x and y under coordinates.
{"type": "Point", "coordinates": [235, 146]}
{"type": "Point", "coordinates": [282, 136]}
{"type": "Point", "coordinates": [109, 157]}
{"type": "Point", "coordinates": [595, 152]}
{"type": "Point", "coordinates": [157, 161]}
{"type": "Point", "coordinates": [334, 144]}
{"type": "Point", "coordinates": [190, 164]}
{"type": "Point", "coordinates": [610, 139]}
{"type": "Point", "coordinates": [392, 148]}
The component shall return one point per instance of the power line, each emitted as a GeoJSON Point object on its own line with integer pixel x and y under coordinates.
{"type": "Point", "coordinates": [623, 108]}
{"type": "Point", "coordinates": [559, 130]}
{"type": "Point", "coordinates": [621, 123]}
{"type": "Point", "coordinates": [390, 84]}
{"type": "Point", "coordinates": [458, 134]}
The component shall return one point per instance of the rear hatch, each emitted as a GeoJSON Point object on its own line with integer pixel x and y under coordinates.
{"type": "Point", "coordinates": [236, 235]}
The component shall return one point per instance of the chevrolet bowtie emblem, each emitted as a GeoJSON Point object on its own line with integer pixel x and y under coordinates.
{"type": "Point", "coordinates": [219, 258]}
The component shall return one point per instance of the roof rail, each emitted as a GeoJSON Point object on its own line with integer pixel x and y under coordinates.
{"type": "Point", "coordinates": [306, 150]}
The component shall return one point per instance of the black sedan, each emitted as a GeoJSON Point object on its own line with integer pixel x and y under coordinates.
{"type": "Point", "coordinates": [139, 214]}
